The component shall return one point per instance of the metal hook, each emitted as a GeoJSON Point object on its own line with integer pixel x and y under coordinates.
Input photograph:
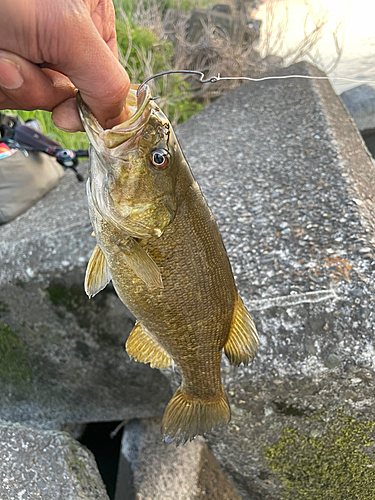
{"type": "Point", "coordinates": [211, 79]}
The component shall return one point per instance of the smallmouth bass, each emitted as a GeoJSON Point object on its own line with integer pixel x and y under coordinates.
{"type": "Point", "coordinates": [159, 244]}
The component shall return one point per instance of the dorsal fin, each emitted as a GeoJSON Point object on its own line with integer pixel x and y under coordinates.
{"type": "Point", "coordinates": [243, 339]}
{"type": "Point", "coordinates": [97, 273]}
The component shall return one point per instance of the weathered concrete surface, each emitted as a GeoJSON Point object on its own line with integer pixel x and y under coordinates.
{"type": "Point", "coordinates": [152, 470]}
{"type": "Point", "coordinates": [360, 102]}
{"type": "Point", "coordinates": [52, 237]}
{"type": "Point", "coordinates": [46, 465]}
{"type": "Point", "coordinates": [64, 361]}
{"type": "Point", "coordinates": [62, 355]}
{"type": "Point", "coordinates": [292, 187]}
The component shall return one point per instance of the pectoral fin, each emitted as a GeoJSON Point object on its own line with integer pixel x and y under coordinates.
{"type": "Point", "coordinates": [141, 263]}
{"type": "Point", "coordinates": [142, 348]}
{"type": "Point", "coordinates": [243, 340]}
{"type": "Point", "coordinates": [97, 273]}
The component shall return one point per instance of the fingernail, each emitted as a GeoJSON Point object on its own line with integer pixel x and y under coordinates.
{"type": "Point", "coordinates": [10, 74]}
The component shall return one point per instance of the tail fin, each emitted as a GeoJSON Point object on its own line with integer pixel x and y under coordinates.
{"type": "Point", "coordinates": [186, 416]}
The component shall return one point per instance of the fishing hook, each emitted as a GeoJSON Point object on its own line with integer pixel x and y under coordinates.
{"type": "Point", "coordinates": [211, 79]}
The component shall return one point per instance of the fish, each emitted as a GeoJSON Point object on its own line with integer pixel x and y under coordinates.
{"type": "Point", "coordinates": [159, 244]}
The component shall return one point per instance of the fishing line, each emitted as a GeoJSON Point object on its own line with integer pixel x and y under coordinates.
{"type": "Point", "coordinates": [218, 77]}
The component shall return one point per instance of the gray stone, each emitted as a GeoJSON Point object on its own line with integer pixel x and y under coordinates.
{"type": "Point", "coordinates": [46, 465]}
{"type": "Point", "coordinates": [52, 237]}
{"type": "Point", "coordinates": [62, 355]}
{"type": "Point", "coordinates": [272, 155]}
{"type": "Point", "coordinates": [63, 358]}
{"type": "Point", "coordinates": [360, 102]}
{"type": "Point", "coordinates": [152, 470]}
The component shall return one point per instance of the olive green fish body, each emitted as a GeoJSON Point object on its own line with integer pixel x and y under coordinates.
{"type": "Point", "coordinates": [172, 273]}
{"type": "Point", "coordinates": [190, 316]}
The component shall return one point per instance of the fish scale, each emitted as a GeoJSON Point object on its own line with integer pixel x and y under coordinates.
{"type": "Point", "coordinates": [176, 278]}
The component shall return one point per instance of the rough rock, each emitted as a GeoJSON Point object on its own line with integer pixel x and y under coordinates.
{"type": "Point", "coordinates": [360, 102]}
{"type": "Point", "coordinates": [52, 237]}
{"type": "Point", "coordinates": [289, 181]}
{"type": "Point", "coordinates": [62, 355]}
{"type": "Point", "coordinates": [152, 470]}
{"type": "Point", "coordinates": [46, 465]}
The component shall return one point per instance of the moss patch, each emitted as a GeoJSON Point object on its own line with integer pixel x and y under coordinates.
{"type": "Point", "coordinates": [3, 307]}
{"type": "Point", "coordinates": [83, 474]}
{"type": "Point", "coordinates": [74, 300]}
{"type": "Point", "coordinates": [70, 298]}
{"type": "Point", "coordinates": [67, 297]}
{"type": "Point", "coordinates": [332, 466]}
{"type": "Point", "coordinates": [14, 360]}
{"type": "Point", "coordinates": [77, 467]}
{"type": "Point", "coordinates": [90, 314]}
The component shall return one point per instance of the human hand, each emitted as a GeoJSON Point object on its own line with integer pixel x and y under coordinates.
{"type": "Point", "coordinates": [51, 48]}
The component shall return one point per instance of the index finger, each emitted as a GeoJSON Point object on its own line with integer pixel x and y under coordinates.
{"type": "Point", "coordinates": [97, 74]}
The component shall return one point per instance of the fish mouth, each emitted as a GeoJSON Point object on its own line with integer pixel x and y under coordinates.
{"type": "Point", "coordinates": [136, 102]}
{"type": "Point", "coordinates": [105, 143]}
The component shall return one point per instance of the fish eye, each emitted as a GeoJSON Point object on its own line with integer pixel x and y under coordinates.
{"type": "Point", "coordinates": [159, 158]}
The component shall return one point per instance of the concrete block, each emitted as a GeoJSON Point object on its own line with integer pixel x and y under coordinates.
{"type": "Point", "coordinates": [150, 469]}
{"type": "Point", "coordinates": [46, 465]}
{"type": "Point", "coordinates": [292, 186]}
{"type": "Point", "coordinates": [360, 102]}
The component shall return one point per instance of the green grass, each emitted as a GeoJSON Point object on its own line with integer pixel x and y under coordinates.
{"type": "Point", "coordinates": [146, 55]}
{"type": "Point", "coordinates": [129, 6]}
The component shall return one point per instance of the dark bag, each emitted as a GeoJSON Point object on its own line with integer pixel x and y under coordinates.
{"type": "Point", "coordinates": [25, 176]}
{"type": "Point", "coordinates": [24, 181]}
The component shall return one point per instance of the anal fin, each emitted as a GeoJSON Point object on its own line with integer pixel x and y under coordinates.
{"type": "Point", "coordinates": [97, 273]}
{"type": "Point", "coordinates": [243, 339]}
{"type": "Point", "coordinates": [144, 349]}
